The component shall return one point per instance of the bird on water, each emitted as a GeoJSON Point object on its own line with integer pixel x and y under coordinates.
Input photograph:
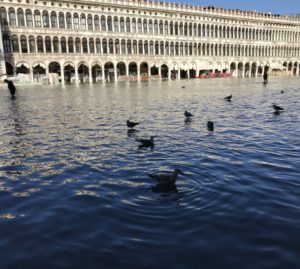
{"type": "Point", "coordinates": [277, 108]}
{"type": "Point", "coordinates": [146, 143]}
{"type": "Point", "coordinates": [188, 114]}
{"type": "Point", "coordinates": [131, 124]}
{"type": "Point", "coordinates": [210, 126]}
{"type": "Point", "coordinates": [11, 87]}
{"type": "Point", "coordinates": [166, 177]}
{"type": "Point", "coordinates": [228, 98]}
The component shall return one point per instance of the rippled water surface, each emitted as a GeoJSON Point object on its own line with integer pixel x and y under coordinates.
{"type": "Point", "coordinates": [74, 190]}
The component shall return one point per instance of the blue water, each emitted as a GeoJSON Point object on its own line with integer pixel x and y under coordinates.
{"type": "Point", "coordinates": [74, 190]}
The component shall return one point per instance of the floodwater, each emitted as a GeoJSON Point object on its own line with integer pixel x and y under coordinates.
{"type": "Point", "coordinates": [75, 191]}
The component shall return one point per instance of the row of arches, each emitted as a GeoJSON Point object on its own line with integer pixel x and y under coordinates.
{"type": "Point", "coordinates": [91, 22]}
{"type": "Point", "coordinates": [40, 44]}
{"type": "Point", "coordinates": [83, 72]}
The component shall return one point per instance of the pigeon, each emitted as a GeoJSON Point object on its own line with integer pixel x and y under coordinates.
{"type": "Point", "coordinates": [166, 177]}
{"type": "Point", "coordinates": [131, 124]}
{"type": "Point", "coordinates": [188, 114]}
{"type": "Point", "coordinates": [210, 126]}
{"type": "Point", "coordinates": [277, 108]}
{"type": "Point", "coordinates": [228, 98]}
{"type": "Point", "coordinates": [145, 143]}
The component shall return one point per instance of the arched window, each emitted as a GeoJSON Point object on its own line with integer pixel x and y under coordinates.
{"type": "Point", "coordinates": [129, 48]}
{"type": "Point", "coordinates": [103, 23]}
{"type": "Point", "coordinates": [84, 45]}
{"type": "Point", "coordinates": [29, 21]}
{"type": "Point", "coordinates": [71, 45]}
{"type": "Point", "coordinates": [53, 20]}
{"type": "Point", "coordinates": [104, 46]}
{"type": "Point", "coordinates": [139, 26]}
{"type": "Point", "coordinates": [140, 47]}
{"type": "Point", "coordinates": [127, 25]}
{"type": "Point", "coordinates": [20, 15]}
{"type": "Point", "coordinates": [166, 28]}
{"type": "Point", "coordinates": [37, 18]}
{"type": "Point", "coordinates": [109, 24]}
{"type": "Point", "coordinates": [82, 22]}
{"type": "Point", "coordinates": [151, 48]}
{"type": "Point", "coordinates": [122, 24]}
{"type": "Point", "coordinates": [155, 27]}
{"type": "Point", "coordinates": [76, 21]}
{"type": "Point", "coordinates": [117, 46]}
{"type": "Point", "coordinates": [61, 20]}
{"type": "Point", "coordinates": [134, 47]}
{"type": "Point", "coordinates": [133, 26]}
{"type": "Point", "coordinates": [91, 45]}
{"type": "Point", "coordinates": [123, 47]}
{"type": "Point", "coordinates": [111, 46]}
{"type": "Point", "coordinates": [146, 47]}
{"type": "Point", "coordinates": [31, 44]}
{"type": "Point", "coordinates": [171, 28]}
{"type": "Point", "coordinates": [176, 28]}
{"type": "Point", "coordinates": [96, 23]}
{"type": "Point", "coordinates": [116, 24]}
{"type": "Point", "coordinates": [98, 45]}
{"type": "Point", "coordinates": [63, 45]}
{"type": "Point", "coordinates": [12, 17]}
{"type": "Point", "coordinates": [150, 27]}
{"type": "Point", "coordinates": [48, 44]}
{"type": "Point", "coordinates": [69, 20]}
{"type": "Point", "coordinates": [3, 16]}
{"type": "Point", "coordinates": [77, 45]}
{"type": "Point", "coordinates": [45, 19]}
{"type": "Point", "coordinates": [161, 28]}
{"type": "Point", "coordinates": [40, 47]}
{"type": "Point", "coordinates": [55, 45]}
{"type": "Point", "coordinates": [162, 52]}
{"type": "Point", "coordinates": [23, 42]}
{"type": "Point", "coordinates": [181, 28]}
{"type": "Point", "coordinates": [145, 29]}
{"type": "Point", "coordinates": [90, 22]}
{"type": "Point", "coordinates": [6, 44]}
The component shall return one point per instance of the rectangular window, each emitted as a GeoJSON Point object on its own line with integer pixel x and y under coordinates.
{"type": "Point", "coordinates": [46, 21]}
{"type": "Point", "coordinates": [61, 22]}
{"type": "Point", "coordinates": [12, 18]}
{"type": "Point", "coordinates": [53, 21]}
{"type": "Point", "coordinates": [96, 22]}
{"type": "Point", "coordinates": [69, 23]}
{"type": "Point", "coordinates": [82, 24]}
{"type": "Point", "coordinates": [76, 23]}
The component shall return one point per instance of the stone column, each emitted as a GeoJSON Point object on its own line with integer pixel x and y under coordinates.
{"type": "Point", "coordinates": [103, 74]}
{"type": "Point", "coordinates": [138, 72]}
{"type": "Point", "coordinates": [62, 74]}
{"type": "Point", "coordinates": [90, 75]}
{"type": "Point", "coordinates": [115, 73]}
{"type": "Point", "coordinates": [169, 73]}
{"type": "Point", "coordinates": [76, 74]}
{"type": "Point", "coordinates": [31, 74]}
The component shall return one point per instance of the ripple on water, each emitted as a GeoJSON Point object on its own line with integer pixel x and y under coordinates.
{"type": "Point", "coordinates": [74, 186]}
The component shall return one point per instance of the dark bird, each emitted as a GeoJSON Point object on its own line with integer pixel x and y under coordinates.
{"type": "Point", "coordinates": [282, 91]}
{"type": "Point", "coordinates": [277, 108]}
{"type": "Point", "coordinates": [210, 126]}
{"type": "Point", "coordinates": [166, 177]}
{"type": "Point", "coordinates": [131, 124]}
{"type": "Point", "coordinates": [146, 143]}
{"type": "Point", "coordinates": [188, 114]}
{"type": "Point", "coordinates": [11, 87]}
{"type": "Point", "coordinates": [183, 87]}
{"type": "Point", "coordinates": [228, 98]}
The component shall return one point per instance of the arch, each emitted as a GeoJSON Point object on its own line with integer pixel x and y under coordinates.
{"type": "Point", "coordinates": [9, 69]}
{"type": "Point", "coordinates": [233, 69]}
{"type": "Point", "coordinates": [22, 68]}
{"type": "Point", "coordinates": [253, 69]}
{"type": "Point", "coordinates": [144, 71]}
{"type": "Point", "coordinates": [109, 72]}
{"type": "Point", "coordinates": [121, 69]}
{"type": "Point", "coordinates": [247, 69]}
{"type": "Point", "coordinates": [96, 72]}
{"type": "Point", "coordinates": [164, 70]}
{"type": "Point", "coordinates": [83, 72]}
{"type": "Point", "coordinates": [69, 72]}
{"type": "Point", "coordinates": [39, 72]}
{"type": "Point", "coordinates": [133, 69]}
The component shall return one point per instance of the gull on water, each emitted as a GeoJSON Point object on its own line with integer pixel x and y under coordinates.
{"type": "Point", "coordinates": [166, 177]}
{"type": "Point", "coordinates": [131, 124]}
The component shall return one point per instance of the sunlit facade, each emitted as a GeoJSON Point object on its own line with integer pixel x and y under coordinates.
{"type": "Point", "coordinates": [116, 40]}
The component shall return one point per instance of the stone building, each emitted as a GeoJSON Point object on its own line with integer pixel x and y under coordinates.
{"type": "Point", "coordinates": [90, 41]}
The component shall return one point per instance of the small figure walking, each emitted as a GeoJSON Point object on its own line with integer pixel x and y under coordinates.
{"type": "Point", "coordinates": [265, 76]}
{"type": "Point", "coordinates": [11, 87]}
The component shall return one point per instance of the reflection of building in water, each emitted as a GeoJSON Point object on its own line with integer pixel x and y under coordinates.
{"type": "Point", "coordinates": [110, 40]}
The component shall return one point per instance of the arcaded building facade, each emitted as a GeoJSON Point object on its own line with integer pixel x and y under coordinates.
{"type": "Point", "coordinates": [92, 41]}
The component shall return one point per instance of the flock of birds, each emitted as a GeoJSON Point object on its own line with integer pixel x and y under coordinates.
{"type": "Point", "coordinates": [168, 178]}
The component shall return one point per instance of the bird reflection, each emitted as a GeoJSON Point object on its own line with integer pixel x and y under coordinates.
{"type": "Point", "coordinates": [131, 132]}
{"type": "Point", "coordinates": [277, 113]}
{"type": "Point", "coordinates": [164, 188]}
{"type": "Point", "coordinates": [188, 121]}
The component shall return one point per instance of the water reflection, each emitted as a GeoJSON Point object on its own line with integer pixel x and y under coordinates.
{"type": "Point", "coordinates": [69, 165]}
